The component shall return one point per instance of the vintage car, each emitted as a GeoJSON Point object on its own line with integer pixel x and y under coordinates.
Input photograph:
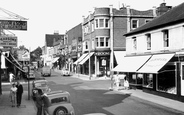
{"type": "Point", "coordinates": [65, 72]}
{"type": "Point", "coordinates": [39, 84]}
{"type": "Point", "coordinates": [46, 71]}
{"type": "Point", "coordinates": [60, 103]}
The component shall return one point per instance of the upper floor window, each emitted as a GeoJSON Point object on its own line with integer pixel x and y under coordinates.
{"type": "Point", "coordinates": [148, 37]}
{"type": "Point", "coordinates": [92, 26]}
{"type": "Point", "coordinates": [106, 23]}
{"type": "Point", "coordinates": [96, 21]}
{"type": "Point", "coordinates": [102, 42]}
{"type": "Point", "coordinates": [166, 38]}
{"type": "Point", "coordinates": [134, 43]}
{"type": "Point", "coordinates": [134, 24]}
{"type": "Point", "coordinates": [102, 23]}
{"type": "Point", "coordinates": [86, 45]}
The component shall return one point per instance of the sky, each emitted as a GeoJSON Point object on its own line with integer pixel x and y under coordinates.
{"type": "Point", "coordinates": [47, 16]}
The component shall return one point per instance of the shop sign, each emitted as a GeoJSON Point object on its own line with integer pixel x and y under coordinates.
{"type": "Point", "coordinates": [13, 25]}
{"type": "Point", "coordinates": [102, 53]}
{"type": "Point", "coordinates": [8, 41]}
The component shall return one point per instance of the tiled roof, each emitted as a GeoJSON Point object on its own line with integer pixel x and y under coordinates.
{"type": "Point", "coordinates": [173, 16]}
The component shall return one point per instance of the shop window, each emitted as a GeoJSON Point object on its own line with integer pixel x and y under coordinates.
{"type": "Point", "coordinates": [148, 80]}
{"type": "Point", "coordinates": [139, 78]}
{"type": "Point", "coordinates": [132, 79]}
{"type": "Point", "coordinates": [166, 80]}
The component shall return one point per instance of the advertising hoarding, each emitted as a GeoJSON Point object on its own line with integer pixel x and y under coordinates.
{"type": "Point", "coordinates": [13, 25]}
{"type": "Point", "coordinates": [23, 55]}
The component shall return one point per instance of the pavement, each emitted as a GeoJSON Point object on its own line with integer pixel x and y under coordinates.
{"type": "Point", "coordinates": [28, 107]}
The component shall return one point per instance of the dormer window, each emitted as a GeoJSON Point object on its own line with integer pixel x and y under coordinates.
{"type": "Point", "coordinates": [134, 24]}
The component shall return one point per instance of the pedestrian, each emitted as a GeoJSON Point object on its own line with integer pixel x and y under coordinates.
{"type": "Point", "coordinates": [13, 91]}
{"type": "Point", "coordinates": [39, 101]}
{"type": "Point", "coordinates": [46, 104]}
{"type": "Point", "coordinates": [126, 83]}
{"type": "Point", "coordinates": [11, 77]}
{"type": "Point", "coordinates": [19, 93]}
{"type": "Point", "coordinates": [117, 81]}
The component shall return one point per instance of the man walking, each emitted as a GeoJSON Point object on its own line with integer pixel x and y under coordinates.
{"type": "Point", "coordinates": [19, 93]}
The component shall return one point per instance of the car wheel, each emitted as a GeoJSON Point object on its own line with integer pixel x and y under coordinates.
{"type": "Point", "coordinates": [60, 111]}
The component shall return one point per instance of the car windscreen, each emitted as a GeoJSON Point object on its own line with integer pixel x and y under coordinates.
{"type": "Point", "coordinates": [41, 84]}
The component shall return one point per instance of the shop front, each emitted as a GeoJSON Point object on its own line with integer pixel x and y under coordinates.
{"type": "Point", "coordinates": [160, 74]}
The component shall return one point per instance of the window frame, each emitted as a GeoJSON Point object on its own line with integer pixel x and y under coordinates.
{"type": "Point", "coordinates": [105, 23]}
{"type": "Point", "coordinates": [148, 39]}
{"type": "Point", "coordinates": [165, 38]}
{"type": "Point", "coordinates": [134, 43]}
{"type": "Point", "coordinates": [132, 24]}
{"type": "Point", "coordinates": [105, 41]}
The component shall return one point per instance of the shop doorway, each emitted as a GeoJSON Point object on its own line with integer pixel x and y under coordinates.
{"type": "Point", "coordinates": [182, 78]}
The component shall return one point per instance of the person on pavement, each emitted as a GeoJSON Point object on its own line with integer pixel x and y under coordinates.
{"type": "Point", "coordinates": [19, 93]}
{"type": "Point", "coordinates": [46, 103]}
{"type": "Point", "coordinates": [117, 81]}
{"type": "Point", "coordinates": [126, 83]}
{"type": "Point", "coordinates": [13, 91]}
{"type": "Point", "coordinates": [39, 102]}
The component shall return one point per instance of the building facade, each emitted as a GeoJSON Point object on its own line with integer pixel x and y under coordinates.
{"type": "Point", "coordinates": [103, 32]}
{"type": "Point", "coordinates": [155, 51]}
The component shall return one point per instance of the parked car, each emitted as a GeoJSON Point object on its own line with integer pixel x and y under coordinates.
{"type": "Point", "coordinates": [60, 103]}
{"type": "Point", "coordinates": [39, 84]}
{"type": "Point", "coordinates": [46, 71]}
{"type": "Point", "coordinates": [65, 72]}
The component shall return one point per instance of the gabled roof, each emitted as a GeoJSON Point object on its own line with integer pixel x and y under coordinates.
{"type": "Point", "coordinates": [174, 16]}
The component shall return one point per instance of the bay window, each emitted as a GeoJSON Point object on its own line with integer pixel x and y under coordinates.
{"type": "Point", "coordinates": [102, 23]}
{"type": "Point", "coordinates": [102, 42]}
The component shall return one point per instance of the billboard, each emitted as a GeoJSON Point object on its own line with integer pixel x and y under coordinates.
{"type": "Point", "coordinates": [13, 25]}
{"type": "Point", "coordinates": [8, 41]}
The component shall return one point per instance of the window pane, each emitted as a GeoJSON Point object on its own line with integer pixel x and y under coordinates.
{"type": "Point", "coordinates": [96, 42]}
{"type": "Point", "coordinates": [96, 23]}
{"type": "Point", "coordinates": [134, 24]}
{"type": "Point", "coordinates": [148, 41]}
{"type": "Point", "coordinates": [101, 41]}
{"type": "Point", "coordinates": [106, 23]}
{"type": "Point", "coordinates": [107, 42]}
{"type": "Point", "coordinates": [101, 22]}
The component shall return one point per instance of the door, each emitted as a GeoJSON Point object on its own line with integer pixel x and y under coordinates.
{"type": "Point", "coordinates": [182, 79]}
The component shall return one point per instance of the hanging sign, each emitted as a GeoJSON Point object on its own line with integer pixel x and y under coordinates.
{"type": "Point", "coordinates": [13, 25]}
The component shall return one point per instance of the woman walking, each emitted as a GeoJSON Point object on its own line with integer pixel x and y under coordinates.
{"type": "Point", "coordinates": [13, 91]}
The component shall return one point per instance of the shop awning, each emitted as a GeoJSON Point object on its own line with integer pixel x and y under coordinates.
{"type": "Point", "coordinates": [86, 58]}
{"type": "Point", "coordinates": [119, 55]}
{"type": "Point", "coordinates": [82, 57]}
{"type": "Point", "coordinates": [55, 59]}
{"type": "Point", "coordinates": [131, 64]}
{"type": "Point", "coordinates": [155, 63]}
